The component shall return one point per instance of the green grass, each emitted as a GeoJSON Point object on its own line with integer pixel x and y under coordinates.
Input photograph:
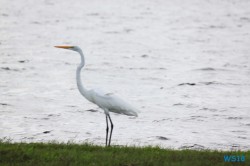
{"type": "Point", "coordinates": [87, 154]}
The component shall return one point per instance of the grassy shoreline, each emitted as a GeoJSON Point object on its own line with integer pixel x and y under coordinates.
{"type": "Point", "coordinates": [87, 154]}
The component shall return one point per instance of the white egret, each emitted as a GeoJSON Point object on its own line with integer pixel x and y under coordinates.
{"type": "Point", "coordinates": [107, 101]}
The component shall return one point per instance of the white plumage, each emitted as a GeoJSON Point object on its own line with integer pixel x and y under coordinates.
{"type": "Point", "coordinates": [112, 103]}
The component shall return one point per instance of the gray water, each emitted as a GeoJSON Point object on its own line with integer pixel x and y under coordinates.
{"type": "Point", "coordinates": [184, 64]}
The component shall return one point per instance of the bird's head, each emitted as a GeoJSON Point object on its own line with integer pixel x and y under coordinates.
{"type": "Point", "coordinates": [73, 48]}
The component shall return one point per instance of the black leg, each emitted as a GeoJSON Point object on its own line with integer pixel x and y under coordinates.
{"type": "Point", "coordinates": [107, 130]}
{"type": "Point", "coordinates": [111, 129]}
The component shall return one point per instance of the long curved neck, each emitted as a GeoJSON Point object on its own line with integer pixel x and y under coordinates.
{"type": "Point", "coordinates": [80, 86]}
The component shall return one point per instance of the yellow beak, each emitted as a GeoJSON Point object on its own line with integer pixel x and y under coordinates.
{"type": "Point", "coordinates": [65, 47]}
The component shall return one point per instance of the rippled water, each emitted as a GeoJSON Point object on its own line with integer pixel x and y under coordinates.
{"type": "Point", "coordinates": [183, 64]}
